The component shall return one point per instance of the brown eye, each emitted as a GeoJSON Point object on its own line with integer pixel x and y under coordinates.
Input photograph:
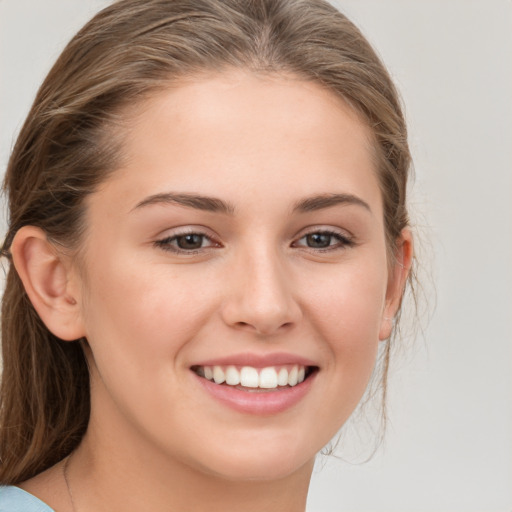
{"type": "Point", "coordinates": [189, 242]}
{"type": "Point", "coordinates": [324, 241]}
{"type": "Point", "coordinates": [319, 240]}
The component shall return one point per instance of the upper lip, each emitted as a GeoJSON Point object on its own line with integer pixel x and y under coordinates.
{"type": "Point", "coordinates": [257, 360]}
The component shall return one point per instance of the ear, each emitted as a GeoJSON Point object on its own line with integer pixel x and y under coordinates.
{"type": "Point", "coordinates": [49, 282]}
{"type": "Point", "coordinates": [397, 280]}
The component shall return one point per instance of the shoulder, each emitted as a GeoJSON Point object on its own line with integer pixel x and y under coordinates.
{"type": "Point", "coordinates": [14, 499]}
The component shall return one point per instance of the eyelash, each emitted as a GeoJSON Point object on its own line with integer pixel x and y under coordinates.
{"type": "Point", "coordinates": [170, 243]}
{"type": "Point", "coordinates": [343, 241]}
{"type": "Point", "coordinates": [167, 243]}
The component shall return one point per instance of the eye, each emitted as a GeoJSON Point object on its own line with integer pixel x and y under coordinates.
{"type": "Point", "coordinates": [186, 243]}
{"type": "Point", "coordinates": [190, 242]}
{"type": "Point", "coordinates": [324, 240]}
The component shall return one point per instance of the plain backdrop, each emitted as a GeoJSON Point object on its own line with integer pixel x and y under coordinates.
{"type": "Point", "coordinates": [448, 445]}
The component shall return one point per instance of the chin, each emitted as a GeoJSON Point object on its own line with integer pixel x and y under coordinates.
{"type": "Point", "coordinates": [258, 470]}
{"type": "Point", "coordinates": [262, 460]}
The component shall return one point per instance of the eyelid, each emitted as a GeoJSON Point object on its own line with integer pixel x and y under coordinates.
{"type": "Point", "coordinates": [324, 228]}
{"type": "Point", "coordinates": [164, 241]}
{"type": "Point", "coordinates": [345, 238]}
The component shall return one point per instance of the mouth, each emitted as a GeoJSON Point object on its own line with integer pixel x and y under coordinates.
{"type": "Point", "coordinates": [252, 379]}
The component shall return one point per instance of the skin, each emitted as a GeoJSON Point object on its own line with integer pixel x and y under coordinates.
{"type": "Point", "coordinates": [260, 144]}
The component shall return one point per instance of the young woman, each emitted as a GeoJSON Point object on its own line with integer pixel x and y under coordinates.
{"type": "Point", "coordinates": [209, 241]}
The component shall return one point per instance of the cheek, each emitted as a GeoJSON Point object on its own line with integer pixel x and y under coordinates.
{"type": "Point", "coordinates": [137, 325]}
{"type": "Point", "coordinates": [351, 300]}
{"type": "Point", "coordinates": [138, 318]}
{"type": "Point", "coordinates": [346, 311]}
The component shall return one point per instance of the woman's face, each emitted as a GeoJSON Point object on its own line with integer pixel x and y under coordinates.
{"type": "Point", "coordinates": [242, 239]}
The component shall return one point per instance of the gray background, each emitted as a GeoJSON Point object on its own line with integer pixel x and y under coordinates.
{"type": "Point", "coordinates": [449, 442]}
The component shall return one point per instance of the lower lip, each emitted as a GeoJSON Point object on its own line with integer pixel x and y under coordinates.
{"type": "Point", "coordinates": [258, 402]}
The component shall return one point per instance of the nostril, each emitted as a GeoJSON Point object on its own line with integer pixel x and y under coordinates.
{"type": "Point", "coordinates": [264, 328]}
{"type": "Point", "coordinates": [260, 313]}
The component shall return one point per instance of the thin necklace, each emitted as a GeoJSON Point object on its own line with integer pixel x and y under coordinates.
{"type": "Point", "coordinates": [65, 473]}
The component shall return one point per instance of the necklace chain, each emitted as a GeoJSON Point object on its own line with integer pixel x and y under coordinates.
{"type": "Point", "coordinates": [65, 468]}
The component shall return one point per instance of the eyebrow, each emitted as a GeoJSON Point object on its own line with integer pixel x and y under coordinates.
{"type": "Point", "coordinates": [213, 204]}
{"type": "Point", "coordinates": [328, 200]}
{"type": "Point", "coordinates": [198, 202]}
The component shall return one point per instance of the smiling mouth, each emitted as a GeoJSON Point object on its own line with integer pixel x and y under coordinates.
{"type": "Point", "coordinates": [248, 378]}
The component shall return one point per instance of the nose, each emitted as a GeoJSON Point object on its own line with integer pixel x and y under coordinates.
{"type": "Point", "coordinates": [260, 296]}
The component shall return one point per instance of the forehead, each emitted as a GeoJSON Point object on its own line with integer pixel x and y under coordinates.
{"type": "Point", "coordinates": [241, 132]}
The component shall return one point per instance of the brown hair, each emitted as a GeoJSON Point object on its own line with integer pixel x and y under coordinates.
{"type": "Point", "coordinates": [68, 145]}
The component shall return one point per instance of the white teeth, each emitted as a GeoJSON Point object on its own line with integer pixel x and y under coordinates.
{"type": "Point", "coordinates": [268, 378]}
{"type": "Point", "coordinates": [232, 376]}
{"type": "Point", "coordinates": [218, 375]}
{"type": "Point", "coordinates": [292, 376]}
{"type": "Point", "coordinates": [282, 377]}
{"type": "Point", "coordinates": [249, 377]}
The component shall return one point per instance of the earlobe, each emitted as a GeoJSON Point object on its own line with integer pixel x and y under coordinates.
{"type": "Point", "coordinates": [397, 280]}
{"type": "Point", "coordinates": [46, 279]}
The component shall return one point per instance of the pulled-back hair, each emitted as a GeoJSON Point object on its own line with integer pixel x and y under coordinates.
{"type": "Point", "coordinates": [71, 142]}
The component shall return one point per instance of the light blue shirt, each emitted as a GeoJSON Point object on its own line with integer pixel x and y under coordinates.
{"type": "Point", "coordinates": [14, 499]}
